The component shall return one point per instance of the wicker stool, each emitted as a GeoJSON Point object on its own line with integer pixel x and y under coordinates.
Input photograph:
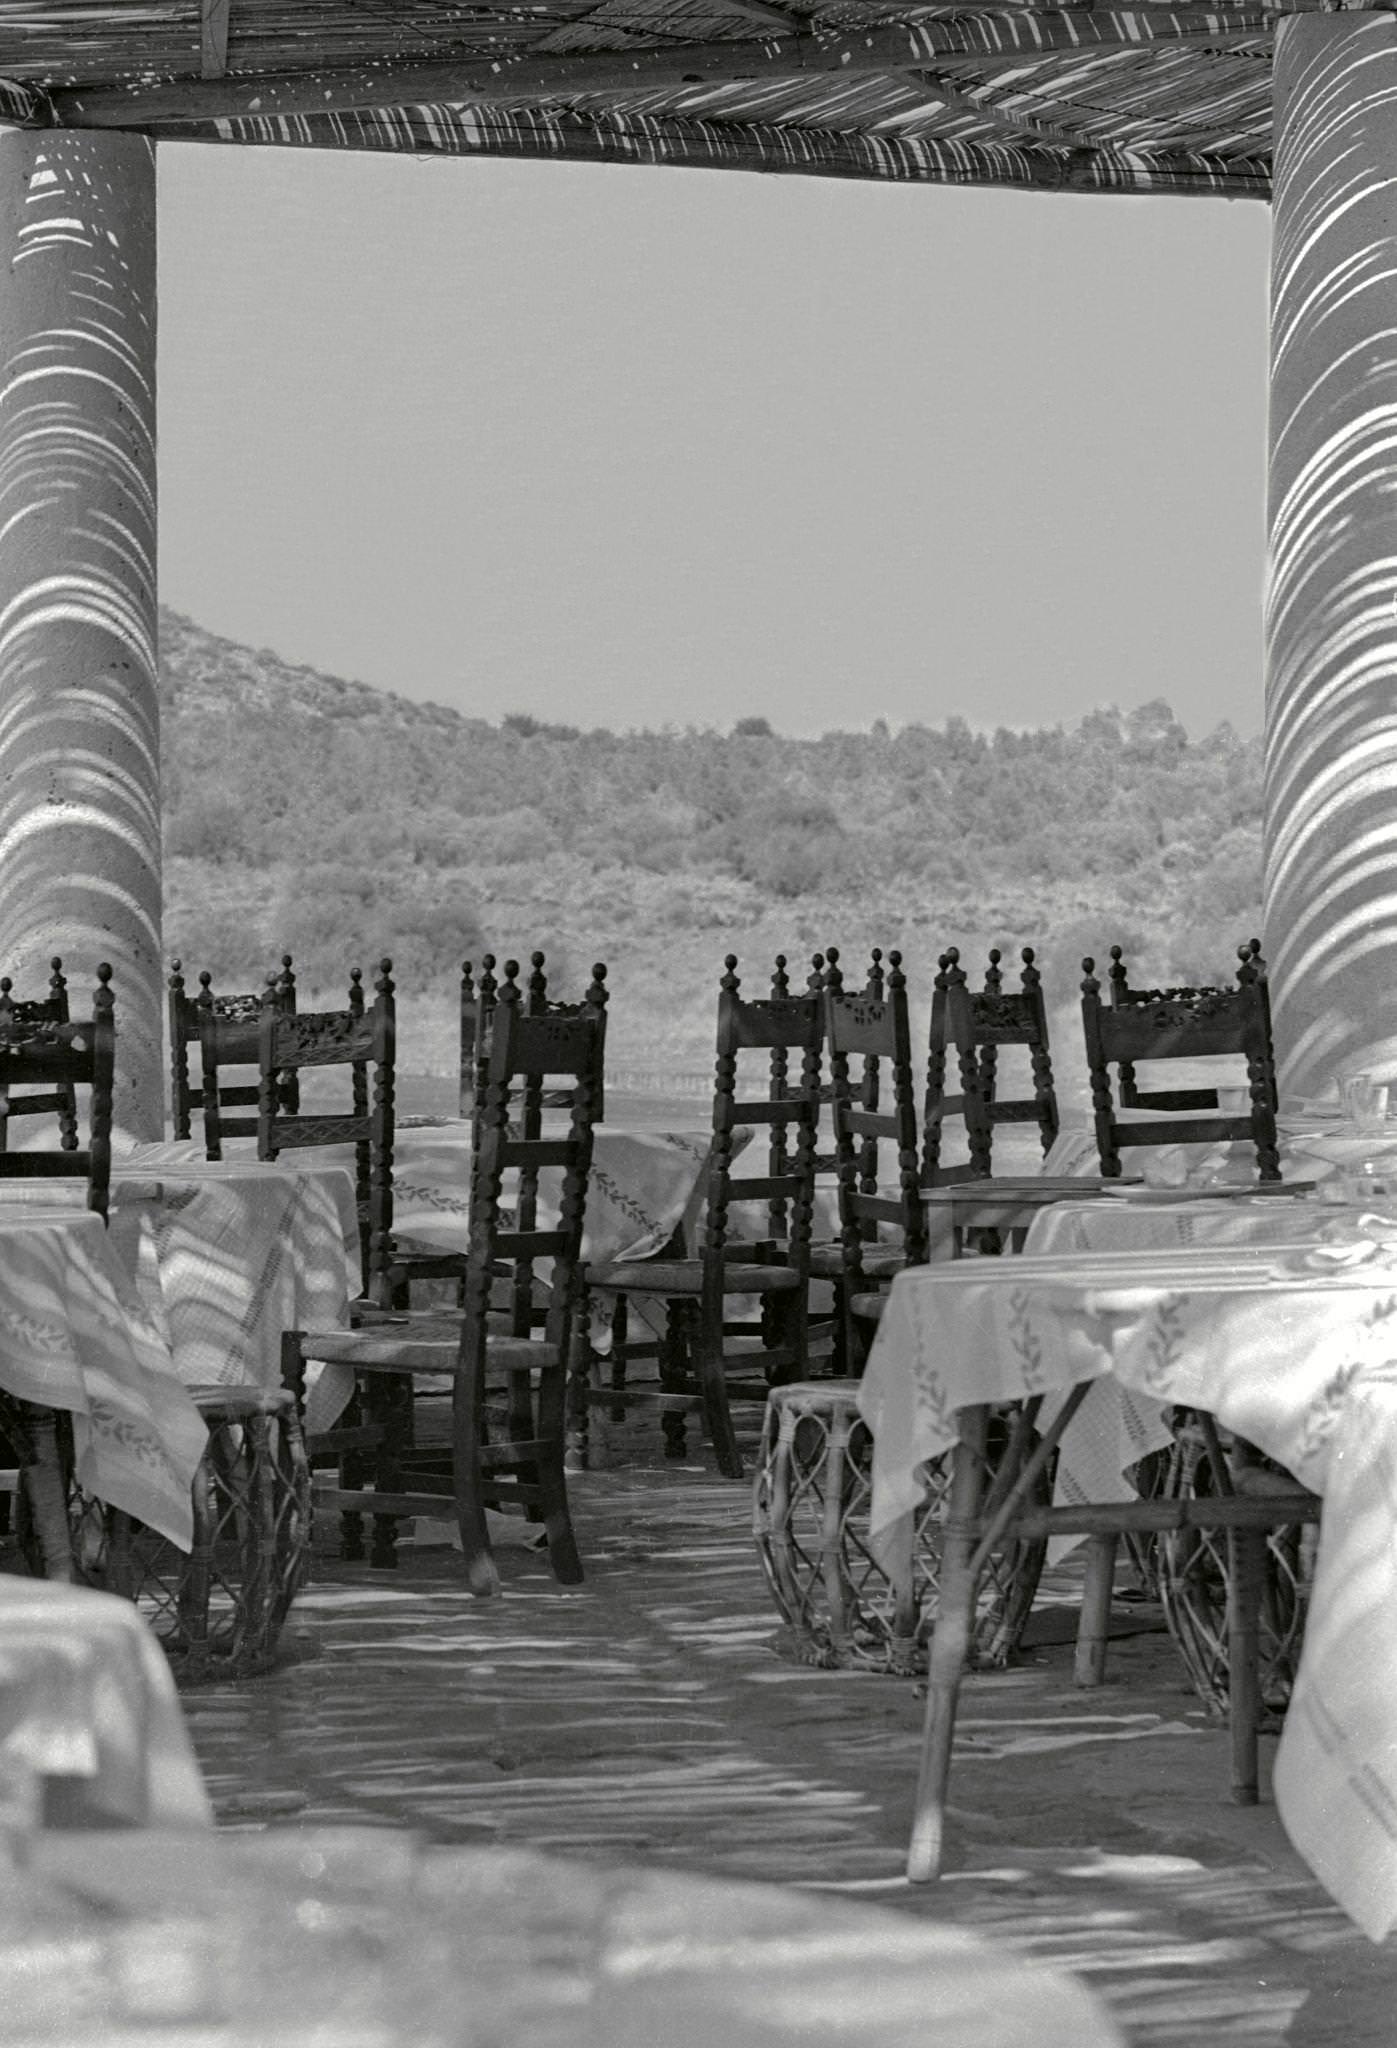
{"type": "Point", "coordinates": [218, 1611]}
{"type": "Point", "coordinates": [846, 1602]}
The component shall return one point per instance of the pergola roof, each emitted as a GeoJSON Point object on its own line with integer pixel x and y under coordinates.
{"type": "Point", "coordinates": [1140, 98]}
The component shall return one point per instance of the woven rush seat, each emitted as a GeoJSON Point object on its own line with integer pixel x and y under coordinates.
{"type": "Point", "coordinates": [685, 1276]}
{"type": "Point", "coordinates": [876, 1261]}
{"type": "Point", "coordinates": [848, 1601]}
{"type": "Point", "coordinates": [401, 1347]}
{"type": "Point", "coordinates": [217, 1612]}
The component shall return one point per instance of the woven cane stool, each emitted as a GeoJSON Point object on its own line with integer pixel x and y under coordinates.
{"type": "Point", "coordinates": [218, 1612]}
{"type": "Point", "coordinates": [848, 1602]}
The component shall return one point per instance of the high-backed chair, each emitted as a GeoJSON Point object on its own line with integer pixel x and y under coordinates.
{"type": "Point", "coordinates": [873, 1107]}
{"type": "Point", "coordinates": [701, 1349]}
{"type": "Point", "coordinates": [61, 1099]}
{"type": "Point", "coordinates": [1122, 996]}
{"type": "Point", "coordinates": [977, 1023]}
{"type": "Point", "coordinates": [510, 1454]}
{"type": "Point", "coordinates": [226, 1030]}
{"type": "Point", "coordinates": [44, 1059]}
{"type": "Point", "coordinates": [362, 1039]}
{"type": "Point", "coordinates": [1137, 1025]}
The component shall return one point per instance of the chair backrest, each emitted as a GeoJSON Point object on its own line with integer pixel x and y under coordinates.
{"type": "Point", "coordinates": [1179, 1023]}
{"type": "Point", "coordinates": [477, 1002]}
{"type": "Point", "coordinates": [60, 1100]}
{"type": "Point", "coordinates": [871, 1025]}
{"type": "Point", "coordinates": [997, 1016]}
{"type": "Point", "coordinates": [952, 1025]}
{"type": "Point", "coordinates": [1122, 996]}
{"type": "Point", "coordinates": [44, 1059]}
{"type": "Point", "coordinates": [360, 1038]}
{"type": "Point", "coordinates": [527, 1048]}
{"type": "Point", "coordinates": [789, 1023]}
{"type": "Point", "coordinates": [534, 1096]}
{"type": "Point", "coordinates": [226, 1030]}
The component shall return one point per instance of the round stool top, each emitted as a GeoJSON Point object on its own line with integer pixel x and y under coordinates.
{"type": "Point", "coordinates": [814, 1394]}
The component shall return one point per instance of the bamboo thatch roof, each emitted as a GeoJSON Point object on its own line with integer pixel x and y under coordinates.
{"type": "Point", "coordinates": [1077, 97]}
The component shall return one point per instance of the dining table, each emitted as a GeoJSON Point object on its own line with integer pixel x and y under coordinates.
{"type": "Point", "coordinates": [362, 1937]}
{"type": "Point", "coordinates": [77, 1336]}
{"type": "Point", "coordinates": [1293, 1346]}
{"type": "Point", "coordinates": [91, 1732]}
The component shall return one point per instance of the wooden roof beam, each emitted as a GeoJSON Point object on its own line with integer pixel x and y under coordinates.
{"type": "Point", "coordinates": [150, 104]}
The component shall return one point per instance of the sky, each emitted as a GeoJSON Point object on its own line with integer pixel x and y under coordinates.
{"type": "Point", "coordinates": [634, 446]}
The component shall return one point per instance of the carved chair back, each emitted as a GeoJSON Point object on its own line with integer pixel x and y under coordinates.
{"type": "Point", "coordinates": [871, 1025]}
{"type": "Point", "coordinates": [533, 1095]}
{"type": "Point", "coordinates": [956, 1022]}
{"type": "Point", "coordinates": [528, 1046]}
{"type": "Point", "coordinates": [1132, 1096]}
{"type": "Point", "coordinates": [1167, 1024]}
{"type": "Point", "coordinates": [226, 1029]}
{"type": "Point", "coordinates": [44, 1059]}
{"type": "Point", "coordinates": [362, 1039]}
{"type": "Point", "coordinates": [784, 1024]}
{"type": "Point", "coordinates": [60, 1100]}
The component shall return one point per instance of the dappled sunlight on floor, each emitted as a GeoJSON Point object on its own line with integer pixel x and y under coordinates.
{"type": "Point", "coordinates": [646, 1715]}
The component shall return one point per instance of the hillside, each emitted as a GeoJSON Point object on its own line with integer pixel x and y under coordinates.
{"type": "Point", "coordinates": [309, 814]}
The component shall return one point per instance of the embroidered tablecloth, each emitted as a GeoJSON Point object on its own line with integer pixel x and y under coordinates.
{"type": "Point", "coordinates": [1296, 1350]}
{"type": "Point", "coordinates": [86, 1695]}
{"type": "Point", "coordinates": [75, 1335]}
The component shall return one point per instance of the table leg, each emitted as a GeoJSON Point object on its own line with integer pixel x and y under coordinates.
{"type": "Point", "coordinates": [950, 1646]}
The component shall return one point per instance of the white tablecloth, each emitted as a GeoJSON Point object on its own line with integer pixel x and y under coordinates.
{"type": "Point", "coordinates": [1295, 1349]}
{"type": "Point", "coordinates": [351, 1938]}
{"type": "Point", "coordinates": [86, 1695]}
{"type": "Point", "coordinates": [230, 1253]}
{"type": "Point", "coordinates": [75, 1335]}
{"type": "Point", "coordinates": [642, 1184]}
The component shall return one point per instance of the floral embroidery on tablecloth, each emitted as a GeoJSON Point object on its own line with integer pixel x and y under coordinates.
{"type": "Point", "coordinates": [143, 1446]}
{"type": "Point", "coordinates": [1164, 1345]}
{"type": "Point", "coordinates": [1025, 1342]}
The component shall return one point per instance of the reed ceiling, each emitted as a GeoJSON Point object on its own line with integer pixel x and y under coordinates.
{"type": "Point", "coordinates": [1137, 98]}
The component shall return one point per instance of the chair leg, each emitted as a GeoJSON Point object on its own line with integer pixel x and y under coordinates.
{"type": "Point", "coordinates": [388, 1404]}
{"type": "Point", "coordinates": [467, 1436]}
{"type": "Point", "coordinates": [43, 1482]}
{"type": "Point", "coordinates": [552, 1483]}
{"type": "Point", "coordinates": [1094, 1628]}
{"type": "Point", "coordinates": [579, 1408]}
{"type": "Point", "coordinates": [1246, 1560]}
{"type": "Point", "coordinates": [675, 1375]}
{"type": "Point", "coordinates": [706, 1354]}
{"type": "Point", "coordinates": [950, 1649]}
{"type": "Point", "coordinates": [620, 1330]}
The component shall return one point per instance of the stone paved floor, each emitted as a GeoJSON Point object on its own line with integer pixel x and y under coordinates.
{"type": "Point", "coordinates": [648, 1716]}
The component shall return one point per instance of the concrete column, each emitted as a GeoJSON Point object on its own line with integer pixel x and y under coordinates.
{"type": "Point", "coordinates": [1331, 626]}
{"type": "Point", "coordinates": [79, 708]}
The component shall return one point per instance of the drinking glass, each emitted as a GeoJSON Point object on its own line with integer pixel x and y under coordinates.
{"type": "Point", "coordinates": [1365, 1103]}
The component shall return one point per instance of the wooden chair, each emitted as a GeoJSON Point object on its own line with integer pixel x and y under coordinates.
{"type": "Point", "coordinates": [62, 1098]}
{"type": "Point", "coordinates": [700, 1347]}
{"type": "Point", "coordinates": [44, 1059]}
{"type": "Point", "coordinates": [978, 1022]}
{"type": "Point", "coordinates": [514, 1456]}
{"type": "Point", "coordinates": [477, 1000]}
{"type": "Point", "coordinates": [362, 1039]}
{"type": "Point", "coordinates": [871, 1026]}
{"type": "Point", "coordinates": [226, 1030]}
{"type": "Point", "coordinates": [1171, 1024]}
{"type": "Point", "coordinates": [1122, 996]}
{"type": "Point", "coordinates": [992, 1504]}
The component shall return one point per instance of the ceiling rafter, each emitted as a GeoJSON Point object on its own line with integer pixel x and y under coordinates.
{"type": "Point", "coordinates": [143, 102]}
